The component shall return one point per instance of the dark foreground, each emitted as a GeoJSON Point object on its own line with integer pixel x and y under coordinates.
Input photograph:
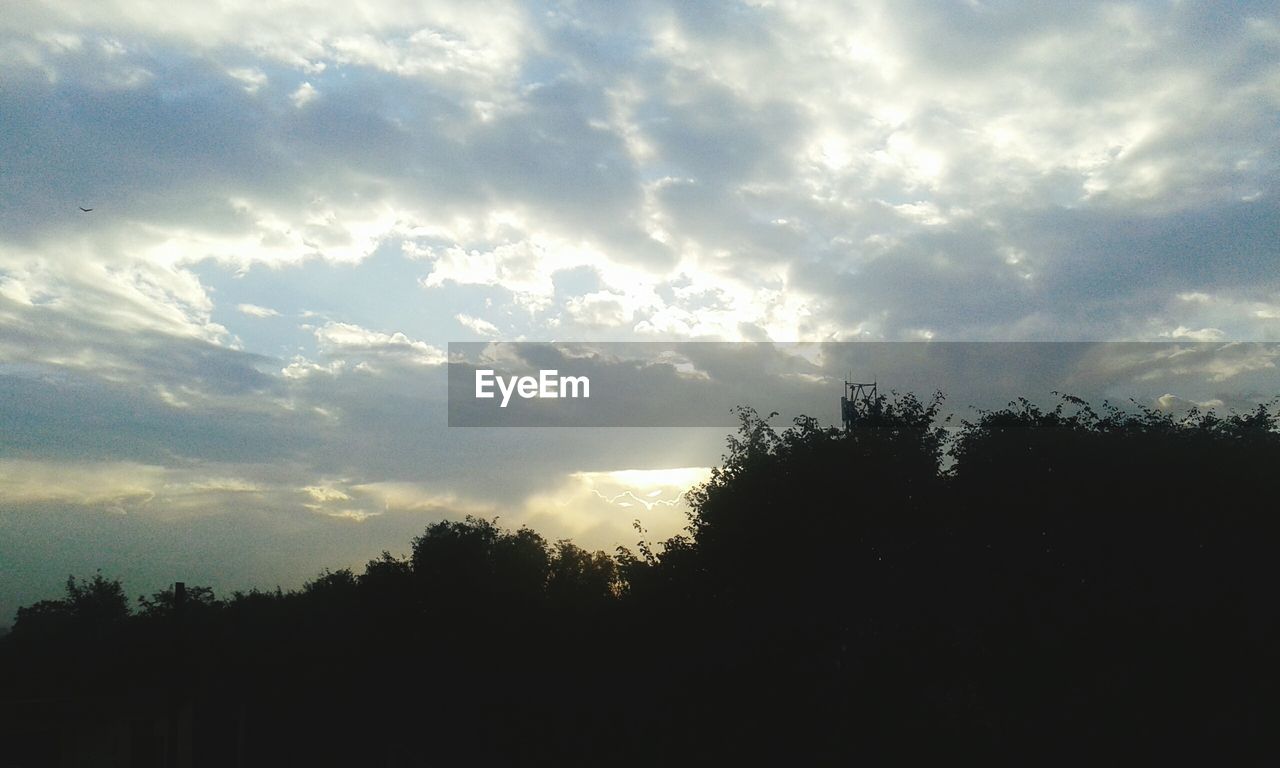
{"type": "Point", "coordinates": [1075, 587]}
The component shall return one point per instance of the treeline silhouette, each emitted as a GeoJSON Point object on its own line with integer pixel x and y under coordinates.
{"type": "Point", "coordinates": [1030, 587]}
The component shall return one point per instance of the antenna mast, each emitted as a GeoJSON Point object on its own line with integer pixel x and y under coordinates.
{"type": "Point", "coordinates": [855, 402]}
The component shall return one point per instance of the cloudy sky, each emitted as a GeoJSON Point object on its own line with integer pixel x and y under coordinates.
{"type": "Point", "coordinates": [230, 371]}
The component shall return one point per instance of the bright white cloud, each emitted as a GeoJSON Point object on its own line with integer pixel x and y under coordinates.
{"type": "Point", "coordinates": [253, 310]}
{"type": "Point", "coordinates": [251, 78]}
{"type": "Point", "coordinates": [347, 339]}
{"type": "Point", "coordinates": [599, 508]}
{"type": "Point", "coordinates": [524, 268]}
{"type": "Point", "coordinates": [304, 95]}
{"type": "Point", "coordinates": [477, 325]}
{"type": "Point", "coordinates": [1188, 334]}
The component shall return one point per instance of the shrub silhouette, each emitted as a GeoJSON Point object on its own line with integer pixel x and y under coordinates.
{"type": "Point", "coordinates": [1032, 585]}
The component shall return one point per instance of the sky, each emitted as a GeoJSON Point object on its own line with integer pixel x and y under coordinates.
{"type": "Point", "coordinates": [231, 370]}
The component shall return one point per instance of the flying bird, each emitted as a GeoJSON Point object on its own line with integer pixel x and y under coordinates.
{"type": "Point", "coordinates": [85, 210]}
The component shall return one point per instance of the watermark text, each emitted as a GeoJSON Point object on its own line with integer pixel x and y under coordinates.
{"type": "Point", "coordinates": [548, 384]}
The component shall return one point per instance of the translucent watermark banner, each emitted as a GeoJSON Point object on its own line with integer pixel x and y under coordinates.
{"type": "Point", "coordinates": [700, 384]}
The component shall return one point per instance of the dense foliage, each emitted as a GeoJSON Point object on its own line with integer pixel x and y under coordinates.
{"type": "Point", "coordinates": [1030, 587]}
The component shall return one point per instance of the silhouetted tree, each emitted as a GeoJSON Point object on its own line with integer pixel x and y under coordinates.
{"type": "Point", "coordinates": [162, 604]}
{"type": "Point", "coordinates": [1038, 586]}
{"type": "Point", "coordinates": [90, 607]}
{"type": "Point", "coordinates": [579, 577]}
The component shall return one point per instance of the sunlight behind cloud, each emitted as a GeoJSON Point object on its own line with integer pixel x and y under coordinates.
{"type": "Point", "coordinates": [597, 509]}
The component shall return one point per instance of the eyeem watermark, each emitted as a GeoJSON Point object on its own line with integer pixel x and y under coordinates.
{"type": "Point", "coordinates": [547, 385]}
{"type": "Point", "coordinates": [700, 383]}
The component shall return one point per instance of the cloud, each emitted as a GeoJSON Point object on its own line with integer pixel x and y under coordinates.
{"type": "Point", "coordinates": [111, 486]}
{"type": "Point", "coordinates": [1203, 334]}
{"type": "Point", "coordinates": [524, 268]}
{"type": "Point", "coordinates": [597, 509]}
{"type": "Point", "coordinates": [477, 325]}
{"type": "Point", "coordinates": [253, 310]}
{"type": "Point", "coordinates": [251, 78]}
{"type": "Point", "coordinates": [714, 148]}
{"type": "Point", "coordinates": [347, 340]}
{"type": "Point", "coordinates": [476, 43]}
{"type": "Point", "coordinates": [304, 95]}
{"type": "Point", "coordinates": [1171, 402]}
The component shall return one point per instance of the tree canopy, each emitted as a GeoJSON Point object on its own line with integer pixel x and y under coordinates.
{"type": "Point", "coordinates": [1031, 585]}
